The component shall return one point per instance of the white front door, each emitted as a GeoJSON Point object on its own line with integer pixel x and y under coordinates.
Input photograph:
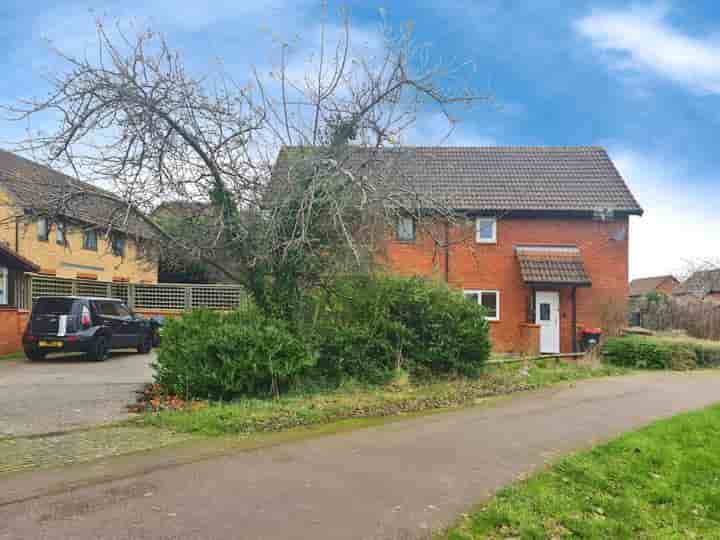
{"type": "Point", "coordinates": [547, 315]}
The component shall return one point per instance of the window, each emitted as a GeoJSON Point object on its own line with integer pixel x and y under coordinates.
{"type": "Point", "coordinates": [140, 249]}
{"type": "Point", "coordinates": [42, 229]}
{"type": "Point", "coordinates": [486, 230]}
{"type": "Point", "coordinates": [405, 229]}
{"type": "Point", "coordinates": [90, 239]}
{"type": "Point", "coordinates": [544, 311]}
{"type": "Point", "coordinates": [4, 292]}
{"type": "Point", "coordinates": [118, 245]}
{"type": "Point", "coordinates": [107, 309]}
{"type": "Point", "coordinates": [490, 300]}
{"type": "Point", "coordinates": [122, 311]}
{"type": "Point", "coordinates": [60, 234]}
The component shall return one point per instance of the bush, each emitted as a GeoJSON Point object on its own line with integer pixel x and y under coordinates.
{"type": "Point", "coordinates": [371, 325]}
{"type": "Point", "coordinates": [213, 355]}
{"type": "Point", "coordinates": [362, 328]}
{"type": "Point", "coordinates": [662, 353]}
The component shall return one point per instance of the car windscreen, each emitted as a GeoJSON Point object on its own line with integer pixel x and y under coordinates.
{"type": "Point", "coordinates": [54, 306]}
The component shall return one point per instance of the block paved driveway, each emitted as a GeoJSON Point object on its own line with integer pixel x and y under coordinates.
{"type": "Point", "coordinates": [63, 393]}
{"type": "Point", "coordinates": [396, 481]}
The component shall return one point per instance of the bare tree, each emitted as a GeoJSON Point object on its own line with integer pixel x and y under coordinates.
{"type": "Point", "coordinates": [132, 117]}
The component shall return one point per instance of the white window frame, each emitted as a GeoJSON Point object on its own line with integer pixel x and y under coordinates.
{"type": "Point", "coordinates": [45, 236]}
{"type": "Point", "coordinates": [85, 243]}
{"type": "Point", "coordinates": [60, 236]}
{"type": "Point", "coordinates": [479, 293]}
{"type": "Point", "coordinates": [491, 220]}
{"type": "Point", "coordinates": [118, 241]}
{"type": "Point", "coordinates": [411, 219]}
{"type": "Point", "coordinates": [4, 286]}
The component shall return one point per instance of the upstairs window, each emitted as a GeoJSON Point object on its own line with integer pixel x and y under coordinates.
{"type": "Point", "coordinates": [118, 245]}
{"type": "Point", "coordinates": [90, 239]}
{"type": "Point", "coordinates": [60, 234]}
{"type": "Point", "coordinates": [42, 229]}
{"type": "Point", "coordinates": [405, 231]}
{"type": "Point", "coordinates": [490, 300]}
{"type": "Point", "coordinates": [486, 230]}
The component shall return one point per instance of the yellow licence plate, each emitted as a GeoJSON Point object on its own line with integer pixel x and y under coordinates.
{"type": "Point", "coordinates": [56, 344]}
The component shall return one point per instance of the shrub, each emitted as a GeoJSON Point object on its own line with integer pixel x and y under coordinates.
{"type": "Point", "coordinates": [662, 353]}
{"type": "Point", "coordinates": [212, 355]}
{"type": "Point", "coordinates": [362, 328]}
{"type": "Point", "coordinates": [371, 325]}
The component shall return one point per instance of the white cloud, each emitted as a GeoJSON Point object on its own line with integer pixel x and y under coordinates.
{"type": "Point", "coordinates": [434, 129]}
{"type": "Point", "coordinates": [681, 221]}
{"type": "Point", "coordinates": [642, 39]}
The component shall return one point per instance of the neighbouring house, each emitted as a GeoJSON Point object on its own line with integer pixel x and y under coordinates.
{"type": "Point", "coordinates": [69, 228]}
{"type": "Point", "coordinates": [703, 285]}
{"type": "Point", "coordinates": [12, 317]}
{"type": "Point", "coordinates": [543, 243]}
{"type": "Point", "coordinates": [659, 284]}
{"type": "Point", "coordinates": [641, 287]}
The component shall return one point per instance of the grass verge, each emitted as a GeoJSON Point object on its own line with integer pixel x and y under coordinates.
{"type": "Point", "coordinates": [12, 356]}
{"type": "Point", "coordinates": [662, 481]}
{"type": "Point", "coordinates": [260, 416]}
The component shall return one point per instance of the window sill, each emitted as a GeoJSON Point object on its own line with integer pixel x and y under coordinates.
{"type": "Point", "coordinates": [486, 242]}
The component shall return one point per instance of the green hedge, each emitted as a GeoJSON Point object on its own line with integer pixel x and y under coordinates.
{"type": "Point", "coordinates": [207, 354]}
{"type": "Point", "coordinates": [370, 325]}
{"type": "Point", "coordinates": [362, 328]}
{"type": "Point", "coordinates": [646, 352]}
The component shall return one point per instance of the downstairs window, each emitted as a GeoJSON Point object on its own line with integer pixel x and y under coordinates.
{"type": "Point", "coordinates": [490, 300]}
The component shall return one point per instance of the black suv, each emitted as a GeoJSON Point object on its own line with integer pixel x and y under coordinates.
{"type": "Point", "coordinates": [84, 324]}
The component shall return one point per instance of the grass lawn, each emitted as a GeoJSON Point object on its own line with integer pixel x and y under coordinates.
{"type": "Point", "coordinates": [266, 415]}
{"type": "Point", "coordinates": [661, 482]}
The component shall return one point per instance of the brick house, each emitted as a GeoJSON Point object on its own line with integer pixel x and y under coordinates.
{"type": "Point", "coordinates": [69, 228]}
{"type": "Point", "coordinates": [542, 241]}
{"type": "Point", "coordinates": [658, 284]}
{"type": "Point", "coordinates": [12, 318]}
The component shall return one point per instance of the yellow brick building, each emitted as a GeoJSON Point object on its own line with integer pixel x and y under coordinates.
{"type": "Point", "coordinates": [70, 228]}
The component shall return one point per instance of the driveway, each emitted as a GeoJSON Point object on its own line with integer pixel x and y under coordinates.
{"type": "Point", "coordinates": [397, 481]}
{"type": "Point", "coordinates": [63, 393]}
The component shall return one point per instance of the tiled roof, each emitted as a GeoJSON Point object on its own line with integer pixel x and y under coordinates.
{"type": "Point", "coordinates": [643, 286]}
{"type": "Point", "coordinates": [561, 265]}
{"type": "Point", "coordinates": [700, 283]}
{"type": "Point", "coordinates": [34, 186]}
{"type": "Point", "coordinates": [578, 179]}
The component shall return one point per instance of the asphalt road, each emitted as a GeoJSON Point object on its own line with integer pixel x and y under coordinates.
{"type": "Point", "coordinates": [68, 392]}
{"type": "Point", "coordinates": [399, 480]}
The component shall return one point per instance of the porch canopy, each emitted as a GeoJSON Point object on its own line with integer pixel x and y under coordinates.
{"type": "Point", "coordinates": [552, 267]}
{"type": "Point", "coordinates": [15, 261]}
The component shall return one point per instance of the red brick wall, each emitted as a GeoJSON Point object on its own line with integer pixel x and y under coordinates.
{"type": "Point", "coordinates": [484, 266]}
{"type": "Point", "coordinates": [12, 326]}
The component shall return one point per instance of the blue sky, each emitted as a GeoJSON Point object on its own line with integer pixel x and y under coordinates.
{"type": "Point", "coordinates": [641, 79]}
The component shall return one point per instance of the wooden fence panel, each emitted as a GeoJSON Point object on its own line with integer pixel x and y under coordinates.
{"type": "Point", "coordinates": [140, 296]}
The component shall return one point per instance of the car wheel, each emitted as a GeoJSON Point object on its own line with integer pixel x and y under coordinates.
{"type": "Point", "coordinates": [34, 355]}
{"type": "Point", "coordinates": [146, 344]}
{"type": "Point", "coordinates": [99, 351]}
